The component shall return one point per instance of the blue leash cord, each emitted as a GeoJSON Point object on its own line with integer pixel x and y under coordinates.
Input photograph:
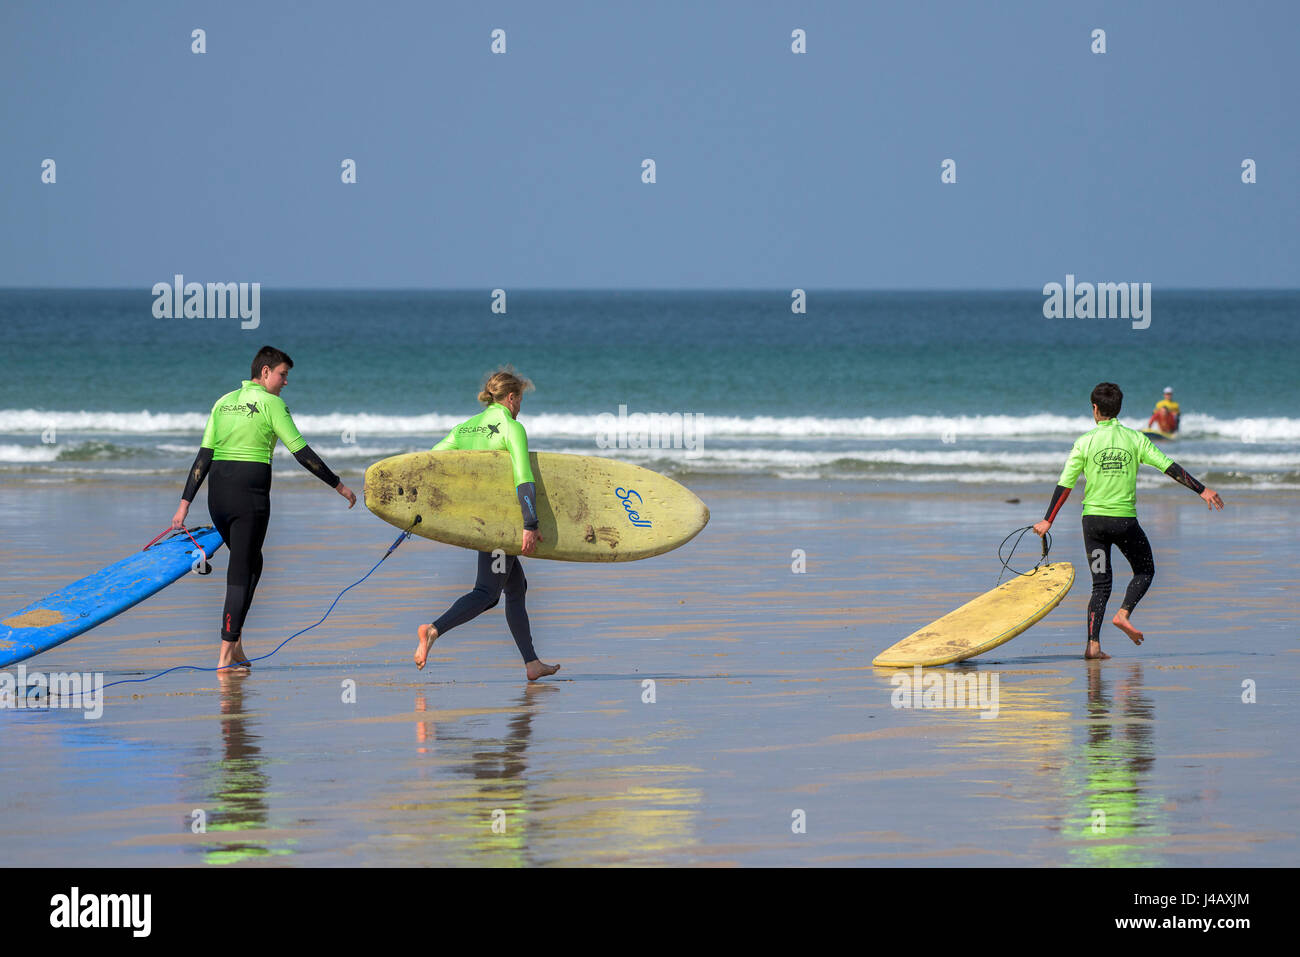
{"type": "Point", "coordinates": [391, 548]}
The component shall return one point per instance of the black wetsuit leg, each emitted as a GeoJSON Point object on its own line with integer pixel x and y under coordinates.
{"type": "Point", "coordinates": [487, 592]}
{"type": "Point", "coordinates": [1099, 533]}
{"type": "Point", "coordinates": [516, 587]}
{"type": "Point", "coordinates": [239, 501]}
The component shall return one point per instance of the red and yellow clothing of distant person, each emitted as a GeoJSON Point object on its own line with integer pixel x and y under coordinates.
{"type": "Point", "coordinates": [1166, 413]}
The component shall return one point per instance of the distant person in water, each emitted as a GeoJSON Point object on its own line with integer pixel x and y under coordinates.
{"type": "Point", "coordinates": [237, 443]}
{"type": "Point", "coordinates": [496, 428]}
{"type": "Point", "coordinates": [1166, 413]}
{"type": "Point", "coordinates": [1109, 457]}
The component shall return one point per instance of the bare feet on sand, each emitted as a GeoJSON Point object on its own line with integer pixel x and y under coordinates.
{"type": "Point", "coordinates": [540, 669]}
{"type": "Point", "coordinates": [426, 636]}
{"type": "Point", "coordinates": [232, 656]}
{"type": "Point", "coordinates": [1093, 651]}
{"type": "Point", "coordinates": [1121, 622]}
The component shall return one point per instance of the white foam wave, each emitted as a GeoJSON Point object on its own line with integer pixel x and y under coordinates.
{"type": "Point", "coordinates": [433, 426]}
{"type": "Point", "coordinates": [28, 453]}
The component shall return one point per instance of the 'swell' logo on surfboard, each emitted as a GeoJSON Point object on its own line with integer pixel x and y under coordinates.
{"type": "Point", "coordinates": [1112, 460]}
{"type": "Point", "coordinates": [633, 516]}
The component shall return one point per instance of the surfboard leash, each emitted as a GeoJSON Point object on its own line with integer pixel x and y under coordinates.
{"type": "Point", "coordinates": [197, 528]}
{"type": "Point", "coordinates": [391, 548]}
{"type": "Point", "coordinates": [1006, 562]}
{"type": "Point", "coordinates": [204, 568]}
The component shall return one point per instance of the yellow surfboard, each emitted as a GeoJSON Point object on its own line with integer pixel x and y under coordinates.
{"type": "Point", "coordinates": [589, 509]}
{"type": "Point", "coordinates": [992, 619]}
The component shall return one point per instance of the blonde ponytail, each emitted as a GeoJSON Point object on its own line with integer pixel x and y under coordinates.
{"type": "Point", "coordinates": [502, 383]}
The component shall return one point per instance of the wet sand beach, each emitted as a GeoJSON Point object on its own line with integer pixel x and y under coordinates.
{"type": "Point", "coordinates": [766, 712]}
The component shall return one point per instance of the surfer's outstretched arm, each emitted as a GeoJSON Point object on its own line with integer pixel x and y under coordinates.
{"type": "Point", "coordinates": [193, 481]}
{"type": "Point", "coordinates": [1069, 475]}
{"type": "Point", "coordinates": [282, 424]}
{"type": "Point", "coordinates": [1184, 477]}
{"type": "Point", "coordinates": [313, 464]}
{"type": "Point", "coordinates": [199, 470]}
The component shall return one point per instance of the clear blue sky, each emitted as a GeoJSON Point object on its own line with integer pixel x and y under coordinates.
{"type": "Point", "coordinates": [774, 170]}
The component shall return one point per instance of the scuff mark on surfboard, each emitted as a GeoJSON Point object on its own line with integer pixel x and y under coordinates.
{"type": "Point", "coordinates": [36, 618]}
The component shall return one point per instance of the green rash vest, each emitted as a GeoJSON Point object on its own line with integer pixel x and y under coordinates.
{"type": "Point", "coordinates": [495, 429]}
{"type": "Point", "coordinates": [1109, 457]}
{"type": "Point", "coordinates": [245, 424]}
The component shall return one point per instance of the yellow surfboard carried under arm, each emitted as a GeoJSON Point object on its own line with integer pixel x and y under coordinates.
{"type": "Point", "coordinates": [589, 509]}
{"type": "Point", "coordinates": [983, 623]}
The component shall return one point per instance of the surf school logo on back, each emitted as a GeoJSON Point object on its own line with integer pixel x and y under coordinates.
{"type": "Point", "coordinates": [246, 409]}
{"type": "Point", "coordinates": [1112, 460]}
{"type": "Point", "coordinates": [633, 515]}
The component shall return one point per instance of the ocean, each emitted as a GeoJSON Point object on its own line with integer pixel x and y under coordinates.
{"type": "Point", "coordinates": [976, 388]}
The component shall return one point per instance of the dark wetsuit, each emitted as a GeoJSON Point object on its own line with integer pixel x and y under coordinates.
{"type": "Point", "coordinates": [236, 448]}
{"type": "Point", "coordinates": [496, 429]}
{"type": "Point", "coordinates": [1109, 456]}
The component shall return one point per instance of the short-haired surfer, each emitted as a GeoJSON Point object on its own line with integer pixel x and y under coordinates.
{"type": "Point", "coordinates": [1166, 413]}
{"type": "Point", "coordinates": [497, 428]}
{"type": "Point", "coordinates": [1109, 456]}
{"type": "Point", "coordinates": [237, 443]}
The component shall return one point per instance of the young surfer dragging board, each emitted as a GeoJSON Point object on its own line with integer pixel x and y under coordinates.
{"type": "Point", "coordinates": [237, 443]}
{"type": "Point", "coordinates": [1109, 456]}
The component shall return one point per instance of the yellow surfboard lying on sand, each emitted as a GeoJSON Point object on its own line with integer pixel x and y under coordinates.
{"type": "Point", "coordinates": [589, 509]}
{"type": "Point", "coordinates": [992, 619]}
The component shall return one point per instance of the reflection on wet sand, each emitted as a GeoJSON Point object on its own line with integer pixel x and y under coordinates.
{"type": "Point", "coordinates": [1116, 820]}
{"type": "Point", "coordinates": [1081, 776]}
{"type": "Point", "coordinates": [488, 809]}
{"type": "Point", "coordinates": [237, 807]}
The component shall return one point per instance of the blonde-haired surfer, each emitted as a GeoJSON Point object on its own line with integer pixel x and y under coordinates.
{"type": "Point", "coordinates": [497, 428]}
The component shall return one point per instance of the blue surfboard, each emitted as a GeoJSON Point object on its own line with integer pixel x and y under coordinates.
{"type": "Point", "coordinates": [98, 597]}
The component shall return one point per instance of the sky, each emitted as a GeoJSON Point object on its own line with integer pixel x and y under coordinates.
{"type": "Point", "coordinates": [524, 169]}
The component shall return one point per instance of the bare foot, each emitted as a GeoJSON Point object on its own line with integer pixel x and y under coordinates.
{"type": "Point", "coordinates": [232, 656]}
{"type": "Point", "coordinates": [1121, 622]}
{"type": "Point", "coordinates": [539, 669]}
{"type": "Point", "coordinates": [426, 636]}
{"type": "Point", "coordinates": [1093, 651]}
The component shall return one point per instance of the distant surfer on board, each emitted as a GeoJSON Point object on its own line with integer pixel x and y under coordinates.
{"type": "Point", "coordinates": [495, 428]}
{"type": "Point", "coordinates": [1109, 457]}
{"type": "Point", "coordinates": [1166, 413]}
{"type": "Point", "coordinates": [241, 433]}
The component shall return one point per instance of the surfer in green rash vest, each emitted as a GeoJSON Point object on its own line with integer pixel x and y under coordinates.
{"type": "Point", "coordinates": [496, 428]}
{"type": "Point", "coordinates": [237, 444]}
{"type": "Point", "coordinates": [1109, 457]}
